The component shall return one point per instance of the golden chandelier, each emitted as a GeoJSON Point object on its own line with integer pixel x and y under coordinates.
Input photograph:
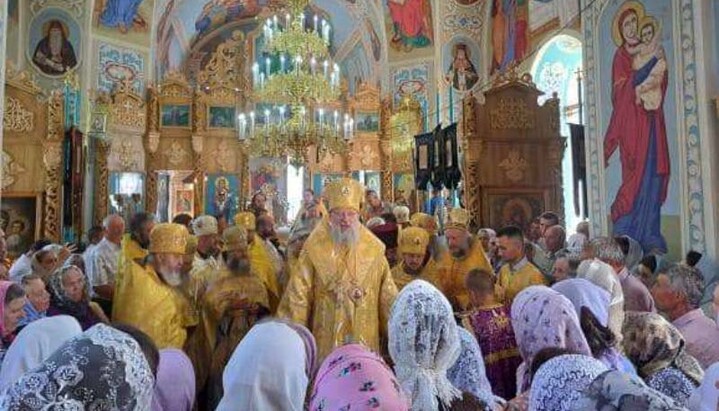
{"type": "Point", "coordinates": [298, 90]}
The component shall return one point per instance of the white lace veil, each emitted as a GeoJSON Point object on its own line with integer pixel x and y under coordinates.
{"type": "Point", "coordinates": [102, 369]}
{"type": "Point", "coordinates": [424, 343]}
{"type": "Point", "coordinates": [468, 373]}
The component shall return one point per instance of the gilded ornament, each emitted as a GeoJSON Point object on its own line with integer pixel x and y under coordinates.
{"type": "Point", "coordinates": [127, 155]}
{"type": "Point", "coordinates": [17, 117]}
{"type": "Point", "coordinates": [176, 154]}
{"type": "Point", "coordinates": [10, 170]}
{"type": "Point", "coordinates": [153, 142]}
{"type": "Point", "coordinates": [514, 166]}
{"type": "Point", "coordinates": [223, 156]}
{"type": "Point", "coordinates": [511, 113]}
{"type": "Point", "coordinates": [197, 143]}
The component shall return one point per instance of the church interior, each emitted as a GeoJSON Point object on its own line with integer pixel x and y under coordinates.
{"type": "Point", "coordinates": [601, 114]}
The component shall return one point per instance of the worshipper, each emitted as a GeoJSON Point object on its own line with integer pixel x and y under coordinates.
{"type": "Point", "coordinates": [636, 295]}
{"type": "Point", "coordinates": [490, 323]}
{"type": "Point", "coordinates": [70, 295]}
{"type": "Point", "coordinates": [374, 222]}
{"type": "Point", "coordinates": [565, 266]}
{"type": "Point", "coordinates": [34, 344]}
{"type": "Point", "coordinates": [658, 351]}
{"type": "Point", "coordinates": [646, 270]}
{"type": "Point", "coordinates": [632, 250]}
{"type": "Point", "coordinates": [342, 286]}
{"type": "Point", "coordinates": [355, 378]}
{"type": "Point", "coordinates": [591, 304]}
{"type": "Point", "coordinates": [678, 293]}
{"type": "Point", "coordinates": [554, 242]}
{"type": "Point", "coordinates": [488, 238]}
{"type": "Point", "coordinates": [546, 220]}
{"type": "Point", "coordinates": [5, 262]}
{"type": "Point", "coordinates": [465, 253]}
{"type": "Point", "coordinates": [415, 262]}
{"type": "Point", "coordinates": [38, 299]}
{"type": "Point", "coordinates": [208, 245]}
{"type": "Point", "coordinates": [94, 236]}
{"type": "Point", "coordinates": [576, 241]}
{"type": "Point", "coordinates": [175, 386]}
{"type": "Point", "coordinates": [265, 228]}
{"type": "Point", "coordinates": [706, 397]}
{"type": "Point", "coordinates": [437, 247]}
{"type": "Point", "coordinates": [271, 368]}
{"type": "Point", "coordinates": [424, 343]}
{"type": "Point", "coordinates": [310, 213]}
{"type": "Point", "coordinates": [231, 306]}
{"type": "Point", "coordinates": [149, 297]}
{"type": "Point", "coordinates": [614, 390]}
{"type": "Point", "coordinates": [45, 262]}
{"type": "Point", "coordinates": [603, 276]}
{"type": "Point", "coordinates": [560, 382]}
{"type": "Point", "coordinates": [101, 262]}
{"type": "Point", "coordinates": [260, 260]}
{"type": "Point", "coordinates": [183, 219]}
{"type": "Point", "coordinates": [12, 297]}
{"type": "Point", "coordinates": [388, 233]}
{"type": "Point", "coordinates": [102, 369]}
{"type": "Point", "coordinates": [374, 206]}
{"type": "Point", "coordinates": [401, 213]}
{"type": "Point", "coordinates": [22, 266]}
{"type": "Point", "coordinates": [468, 373]}
{"type": "Point", "coordinates": [295, 243]}
{"type": "Point", "coordinates": [133, 247]}
{"type": "Point", "coordinates": [542, 318]}
{"type": "Point", "coordinates": [517, 273]}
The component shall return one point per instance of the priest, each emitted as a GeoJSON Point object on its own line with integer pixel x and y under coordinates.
{"type": "Point", "coordinates": [259, 258]}
{"type": "Point", "coordinates": [342, 287]}
{"type": "Point", "coordinates": [416, 261]}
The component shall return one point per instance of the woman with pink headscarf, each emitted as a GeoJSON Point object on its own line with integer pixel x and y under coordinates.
{"type": "Point", "coordinates": [175, 386]}
{"type": "Point", "coordinates": [353, 377]}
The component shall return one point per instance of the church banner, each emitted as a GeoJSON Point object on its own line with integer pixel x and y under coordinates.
{"type": "Point", "coordinates": [452, 172]}
{"type": "Point", "coordinates": [424, 159]}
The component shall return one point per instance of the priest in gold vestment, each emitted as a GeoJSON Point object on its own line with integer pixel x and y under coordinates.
{"type": "Point", "coordinates": [231, 306]}
{"type": "Point", "coordinates": [259, 258]}
{"type": "Point", "coordinates": [517, 273]}
{"type": "Point", "coordinates": [465, 253]}
{"type": "Point", "coordinates": [148, 296]}
{"type": "Point", "coordinates": [133, 246]}
{"type": "Point", "coordinates": [437, 248]}
{"type": "Point", "coordinates": [342, 287]}
{"type": "Point", "coordinates": [416, 262]}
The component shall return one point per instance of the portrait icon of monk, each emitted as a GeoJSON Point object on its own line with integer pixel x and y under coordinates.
{"type": "Point", "coordinates": [54, 54]}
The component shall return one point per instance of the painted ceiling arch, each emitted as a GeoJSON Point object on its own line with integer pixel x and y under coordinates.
{"type": "Point", "coordinates": [358, 36]}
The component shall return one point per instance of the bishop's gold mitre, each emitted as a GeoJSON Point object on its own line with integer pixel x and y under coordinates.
{"type": "Point", "coordinates": [413, 240]}
{"type": "Point", "coordinates": [458, 219]}
{"type": "Point", "coordinates": [234, 238]}
{"type": "Point", "coordinates": [344, 193]}
{"type": "Point", "coordinates": [425, 221]}
{"type": "Point", "coordinates": [246, 220]}
{"type": "Point", "coordinates": [168, 238]}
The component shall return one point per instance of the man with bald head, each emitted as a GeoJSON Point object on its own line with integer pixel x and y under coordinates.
{"type": "Point", "coordinates": [554, 242]}
{"type": "Point", "coordinates": [101, 262]}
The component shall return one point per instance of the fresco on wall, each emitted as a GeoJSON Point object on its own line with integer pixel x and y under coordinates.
{"type": "Point", "coordinates": [411, 81]}
{"type": "Point", "coordinates": [374, 40]}
{"type": "Point", "coordinates": [640, 145]}
{"type": "Point", "coordinates": [126, 20]}
{"type": "Point", "coordinates": [509, 33]}
{"type": "Point", "coordinates": [12, 44]}
{"type": "Point", "coordinates": [409, 28]}
{"type": "Point", "coordinates": [55, 42]}
{"type": "Point", "coordinates": [460, 59]}
{"type": "Point", "coordinates": [117, 64]}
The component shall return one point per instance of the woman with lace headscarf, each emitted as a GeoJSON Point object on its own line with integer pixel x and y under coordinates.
{"type": "Point", "coordinates": [559, 383]}
{"type": "Point", "coordinates": [101, 369]}
{"type": "Point", "coordinates": [270, 369]}
{"type": "Point", "coordinates": [424, 343]}
{"type": "Point", "coordinates": [70, 295]}
{"type": "Point", "coordinates": [353, 377]}
{"type": "Point", "coordinates": [658, 351]}
{"type": "Point", "coordinates": [37, 341]}
{"type": "Point", "coordinates": [468, 373]}
{"type": "Point", "coordinates": [592, 306]}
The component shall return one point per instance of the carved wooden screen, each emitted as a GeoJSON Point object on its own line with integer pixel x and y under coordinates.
{"type": "Point", "coordinates": [399, 128]}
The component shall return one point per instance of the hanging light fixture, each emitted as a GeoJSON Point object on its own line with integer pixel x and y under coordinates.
{"type": "Point", "coordinates": [299, 92]}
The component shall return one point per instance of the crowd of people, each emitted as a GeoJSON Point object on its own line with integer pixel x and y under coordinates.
{"type": "Point", "coordinates": [360, 306]}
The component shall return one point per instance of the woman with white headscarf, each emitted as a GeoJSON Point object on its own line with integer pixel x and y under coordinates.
{"type": "Point", "coordinates": [603, 275]}
{"type": "Point", "coordinates": [270, 368]}
{"type": "Point", "coordinates": [101, 369]}
{"type": "Point", "coordinates": [424, 343]}
{"type": "Point", "coordinates": [706, 397]}
{"type": "Point", "coordinates": [560, 382]}
{"type": "Point", "coordinates": [468, 374]}
{"type": "Point", "coordinates": [37, 341]}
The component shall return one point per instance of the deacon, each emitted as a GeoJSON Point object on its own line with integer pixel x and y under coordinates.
{"type": "Point", "coordinates": [259, 258]}
{"type": "Point", "coordinates": [134, 245]}
{"type": "Point", "coordinates": [416, 262]}
{"type": "Point", "coordinates": [342, 287]}
{"type": "Point", "coordinates": [148, 296]}
{"type": "Point", "coordinates": [517, 273]}
{"type": "Point", "coordinates": [465, 254]}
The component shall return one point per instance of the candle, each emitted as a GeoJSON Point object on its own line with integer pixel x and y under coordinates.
{"type": "Point", "coordinates": [337, 118]}
{"type": "Point", "coordinates": [267, 66]}
{"type": "Point", "coordinates": [287, 21]}
{"type": "Point", "coordinates": [313, 63]}
{"type": "Point", "coordinates": [316, 20]}
{"type": "Point", "coordinates": [282, 63]}
{"type": "Point", "coordinates": [274, 21]}
{"type": "Point", "coordinates": [252, 123]}
{"type": "Point", "coordinates": [321, 114]}
{"type": "Point", "coordinates": [325, 66]}
{"type": "Point", "coordinates": [255, 74]}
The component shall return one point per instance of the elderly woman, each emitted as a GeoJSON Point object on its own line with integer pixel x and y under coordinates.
{"type": "Point", "coordinates": [560, 382]}
{"type": "Point", "coordinates": [70, 295]}
{"type": "Point", "coordinates": [614, 390]}
{"type": "Point", "coordinates": [658, 351]}
{"type": "Point", "coordinates": [602, 274]}
{"type": "Point", "coordinates": [102, 369]}
{"type": "Point", "coordinates": [12, 297]}
{"type": "Point", "coordinates": [424, 343]}
{"type": "Point", "coordinates": [175, 388]}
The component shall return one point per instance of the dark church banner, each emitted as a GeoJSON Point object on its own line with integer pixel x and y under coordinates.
{"type": "Point", "coordinates": [450, 155]}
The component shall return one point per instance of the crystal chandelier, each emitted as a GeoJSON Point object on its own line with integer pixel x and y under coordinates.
{"type": "Point", "coordinates": [299, 90]}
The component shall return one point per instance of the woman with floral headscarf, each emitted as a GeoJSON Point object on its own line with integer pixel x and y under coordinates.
{"type": "Point", "coordinates": [70, 295]}
{"type": "Point", "coordinates": [424, 344]}
{"type": "Point", "coordinates": [658, 351]}
{"type": "Point", "coordinates": [101, 369]}
{"type": "Point", "coordinates": [355, 378]}
{"type": "Point", "coordinates": [614, 390]}
{"type": "Point", "coordinates": [560, 382]}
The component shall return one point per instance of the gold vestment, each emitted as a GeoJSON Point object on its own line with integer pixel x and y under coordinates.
{"type": "Point", "coordinates": [452, 272]}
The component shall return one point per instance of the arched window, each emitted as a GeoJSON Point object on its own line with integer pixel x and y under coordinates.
{"type": "Point", "coordinates": [555, 70]}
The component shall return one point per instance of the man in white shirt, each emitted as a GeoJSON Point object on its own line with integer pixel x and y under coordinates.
{"type": "Point", "coordinates": [23, 265]}
{"type": "Point", "coordinates": [101, 262]}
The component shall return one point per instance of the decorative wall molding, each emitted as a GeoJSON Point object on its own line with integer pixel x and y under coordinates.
{"type": "Point", "coordinates": [176, 154]}
{"type": "Point", "coordinates": [10, 170]}
{"type": "Point", "coordinates": [17, 117]}
{"type": "Point", "coordinates": [514, 166]}
{"type": "Point", "coordinates": [76, 7]}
